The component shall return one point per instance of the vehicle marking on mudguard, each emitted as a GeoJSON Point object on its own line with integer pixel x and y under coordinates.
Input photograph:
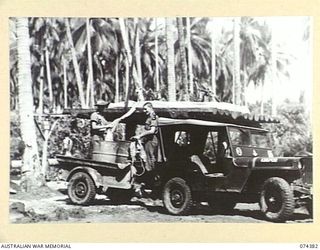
{"type": "Point", "coordinates": [269, 160]}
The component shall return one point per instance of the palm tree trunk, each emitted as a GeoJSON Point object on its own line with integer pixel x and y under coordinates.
{"type": "Point", "coordinates": [49, 81]}
{"type": "Point", "coordinates": [127, 78]}
{"type": "Point", "coordinates": [138, 60]}
{"type": "Point", "coordinates": [213, 62]}
{"type": "Point", "coordinates": [90, 73]}
{"type": "Point", "coordinates": [273, 70]}
{"type": "Point", "coordinates": [183, 57]}
{"type": "Point", "coordinates": [65, 83]}
{"type": "Point", "coordinates": [236, 62]}
{"type": "Point", "coordinates": [41, 86]}
{"type": "Point", "coordinates": [117, 80]}
{"type": "Point", "coordinates": [191, 85]}
{"type": "Point", "coordinates": [170, 60]}
{"type": "Point", "coordinates": [128, 57]}
{"type": "Point", "coordinates": [31, 164]}
{"type": "Point", "coordinates": [262, 98]}
{"type": "Point", "coordinates": [76, 66]}
{"type": "Point", "coordinates": [47, 133]}
{"type": "Point", "coordinates": [156, 56]}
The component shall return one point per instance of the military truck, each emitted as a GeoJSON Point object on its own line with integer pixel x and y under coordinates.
{"type": "Point", "coordinates": [223, 159]}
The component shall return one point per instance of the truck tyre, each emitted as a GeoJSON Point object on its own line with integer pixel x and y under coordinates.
{"type": "Point", "coordinates": [119, 195]}
{"type": "Point", "coordinates": [81, 189]}
{"type": "Point", "coordinates": [277, 200]}
{"type": "Point", "coordinates": [177, 196]}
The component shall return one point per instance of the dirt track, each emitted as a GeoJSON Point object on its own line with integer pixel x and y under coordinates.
{"type": "Point", "coordinates": [54, 207]}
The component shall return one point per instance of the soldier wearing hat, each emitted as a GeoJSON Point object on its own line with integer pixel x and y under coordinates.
{"type": "Point", "coordinates": [98, 122]}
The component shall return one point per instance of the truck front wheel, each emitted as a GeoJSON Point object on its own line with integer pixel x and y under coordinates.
{"type": "Point", "coordinates": [277, 200]}
{"type": "Point", "coordinates": [177, 196]}
{"type": "Point", "coordinates": [81, 189]}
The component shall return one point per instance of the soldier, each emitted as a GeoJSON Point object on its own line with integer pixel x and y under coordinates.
{"type": "Point", "coordinates": [67, 144]}
{"type": "Point", "coordinates": [149, 136]}
{"type": "Point", "coordinates": [98, 122]}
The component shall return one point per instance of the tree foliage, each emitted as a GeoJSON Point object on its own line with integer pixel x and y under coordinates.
{"type": "Point", "coordinates": [294, 133]}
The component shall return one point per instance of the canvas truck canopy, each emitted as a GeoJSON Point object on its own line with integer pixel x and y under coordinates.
{"type": "Point", "coordinates": [206, 111]}
{"type": "Point", "coordinates": [172, 122]}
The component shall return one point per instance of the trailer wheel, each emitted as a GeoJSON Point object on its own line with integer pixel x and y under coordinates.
{"type": "Point", "coordinates": [177, 196]}
{"type": "Point", "coordinates": [81, 189]}
{"type": "Point", "coordinates": [119, 195]}
{"type": "Point", "coordinates": [277, 200]}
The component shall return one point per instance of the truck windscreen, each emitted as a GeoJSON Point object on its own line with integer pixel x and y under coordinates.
{"type": "Point", "coordinates": [248, 137]}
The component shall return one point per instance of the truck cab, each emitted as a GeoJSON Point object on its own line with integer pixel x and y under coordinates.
{"type": "Point", "coordinates": [224, 164]}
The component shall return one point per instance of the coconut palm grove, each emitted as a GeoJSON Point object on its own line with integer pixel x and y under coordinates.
{"type": "Point", "coordinates": [59, 64]}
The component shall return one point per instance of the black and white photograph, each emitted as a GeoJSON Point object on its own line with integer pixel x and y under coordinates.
{"type": "Point", "coordinates": [161, 119]}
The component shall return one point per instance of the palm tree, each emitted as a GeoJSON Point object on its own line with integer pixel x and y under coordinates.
{"type": "Point", "coordinates": [153, 52]}
{"type": "Point", "coordinates": [252, 41]}
{"type": "Point", "coordinates": [236, 63]}
{"type": "Point", "coordinates": [183, 59]}
{"type": "Point", "coordinates": [260, 54]}
{"type": "Point", "coordinates": [170, 60]}
{"type": "Point", "coordinates": [75, 65]}
{"type": "Point", "coordinates": [156, 56]}
{"type": "Point", "coordinates": [31, 165]}
{"type": "Point", "coordinates": [129, 61]}
{"type": "Point", "coordinates": [137, 53]}
{"type": "Point", "coordinates": [48, 71]}
{"type": "Point", "coordinates": [198, 47]}
{"type": "Point", "coordinates": [47, 48]}
{"type": "Point", "coordinates": [189, 47]}
{"type": "Point", "coordinates": [213, 61]}
{"type": "Point", "coordinates": [90, 66]}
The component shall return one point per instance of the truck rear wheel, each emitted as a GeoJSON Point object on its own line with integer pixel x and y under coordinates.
{"type": "Point", "coordinates": [81, 189]}
{"type": "Point", "coordinates": [277, 200]}
{"type": "Point", "coordinates": [177, 196]}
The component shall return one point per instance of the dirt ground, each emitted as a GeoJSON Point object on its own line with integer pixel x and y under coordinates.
{"type": "Point", "coordinates": [51, 205]}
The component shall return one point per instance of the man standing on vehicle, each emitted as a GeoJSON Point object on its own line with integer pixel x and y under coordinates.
{"type": "Point", "coordinates": [149, 136]}
{"type": "Point", "coordinates": [98, 122]}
